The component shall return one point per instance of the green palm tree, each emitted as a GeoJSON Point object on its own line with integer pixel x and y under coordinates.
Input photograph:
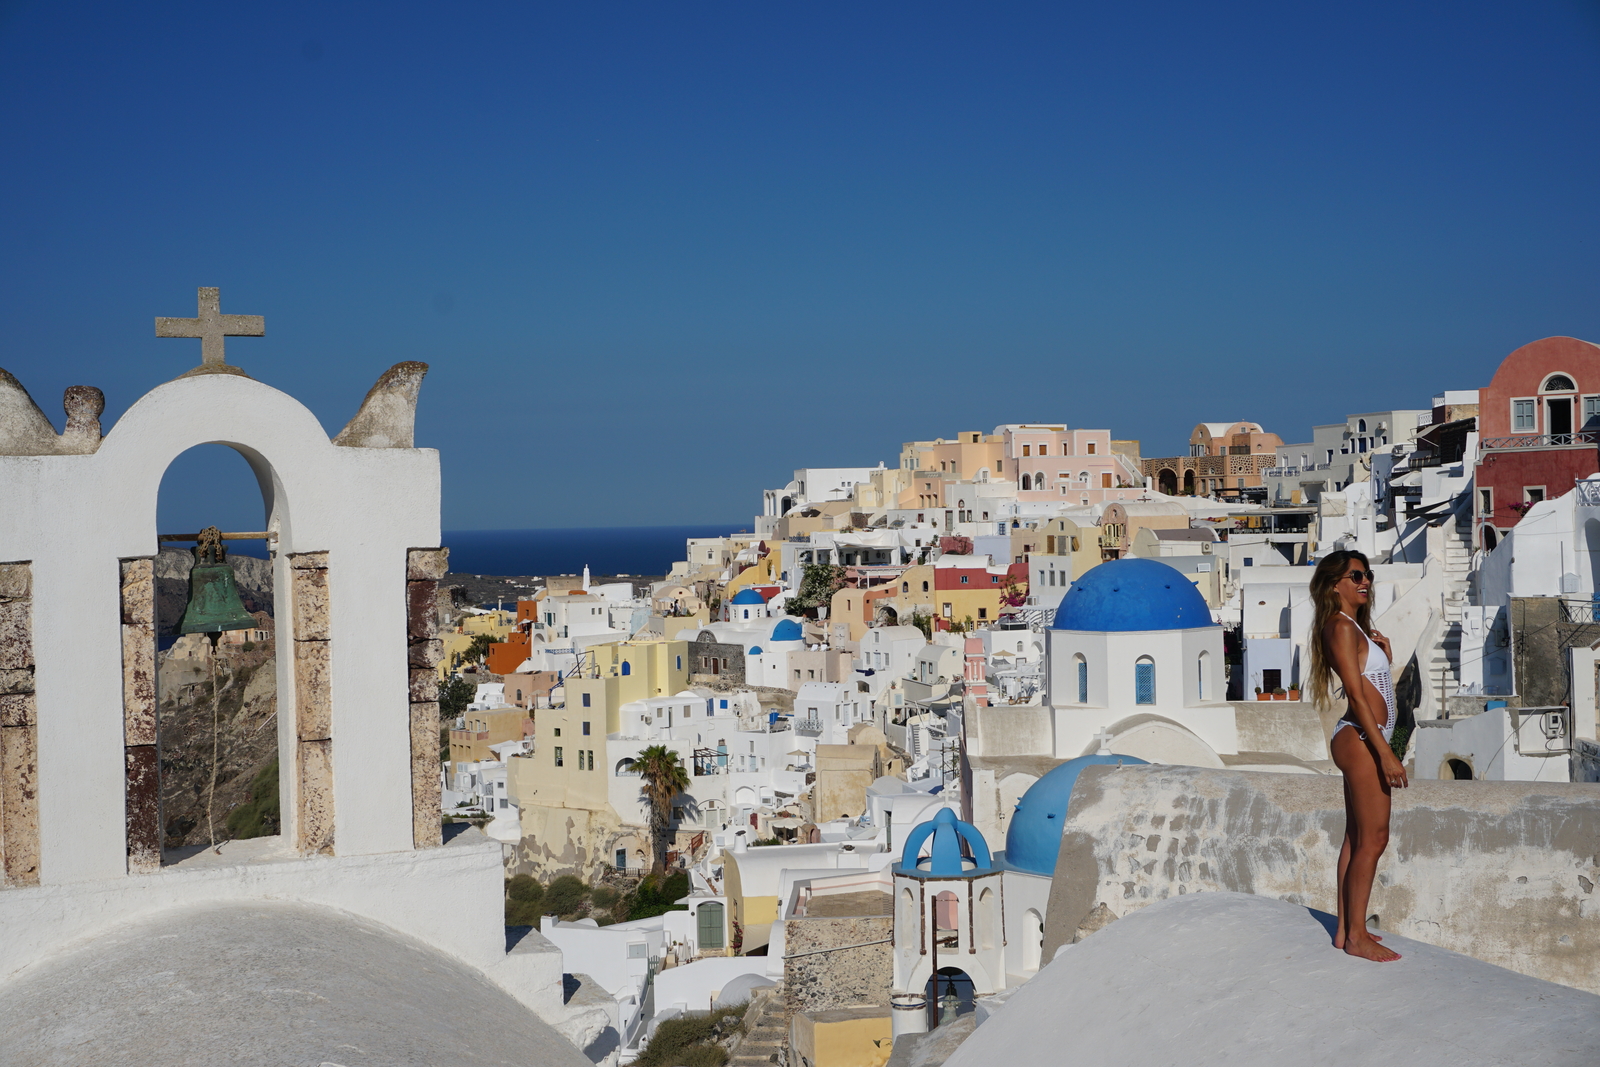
{"type": "Point", "coordinates": [664, 777]}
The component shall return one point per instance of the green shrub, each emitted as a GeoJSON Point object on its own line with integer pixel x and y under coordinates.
{"type": "Point", "coordinates": [565, 895]}
{"type": "Point", "coordinates": [687, 1041]}
{"type": "Point", "coordinates": [525, 888]}
{"type": "Point", "coordinates": [605, 896]}
{"type": "Point", "coordinates": [655, 895]}
{"type": "Point", "coordinates": [522, 913]}
{"type": "Point", "coordinates": [260, 816]}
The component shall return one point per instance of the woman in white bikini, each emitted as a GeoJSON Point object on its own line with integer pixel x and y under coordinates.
{"type": "Point", "coordinates": [1345, 644]}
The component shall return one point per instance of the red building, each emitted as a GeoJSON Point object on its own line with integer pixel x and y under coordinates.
{"type": "Point", "coordinates": [1538, 428]}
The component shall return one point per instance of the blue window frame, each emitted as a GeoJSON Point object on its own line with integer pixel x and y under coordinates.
{"type": "Point", "coordinates": [1144, 682]}
{"type": "Point", "coordinates": [1083, 681]}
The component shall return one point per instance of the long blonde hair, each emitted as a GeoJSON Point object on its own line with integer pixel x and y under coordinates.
{"type": "Point", "coordinates": [1325, 601]}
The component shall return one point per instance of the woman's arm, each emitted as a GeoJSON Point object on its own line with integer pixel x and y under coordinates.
{"type": "Point", "coordinates": [1344, 643]}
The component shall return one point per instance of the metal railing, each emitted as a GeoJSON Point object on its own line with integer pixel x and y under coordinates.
{"type": "Point", "coordinates": [1588, 493]}
{"type": "Point", "coordinates": [808, 726]}
{"type": "Point", "coordinates": [1543, 440]}
{"type": "Point", "coordinates": [1585, 611]}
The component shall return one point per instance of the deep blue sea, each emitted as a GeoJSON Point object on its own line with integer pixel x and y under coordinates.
{"type": "Point", "coordinates": [604, 549]}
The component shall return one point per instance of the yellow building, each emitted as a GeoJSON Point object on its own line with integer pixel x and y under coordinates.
{"type": "Point", "coordinates": [568, 770]}
{"type": "Point", "coordinates": [1060, 552]}
{"type": "Point", "coordinates": [763, 572]}
{"type": "Point", "coordinates": [480, 729]}
{"type": "Point", "coordinates": [842, 1037]}
{"type": "Point", "coordinates": [614, 674]}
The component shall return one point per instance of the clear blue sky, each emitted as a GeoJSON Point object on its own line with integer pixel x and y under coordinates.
{"type": "Point", "coordinates": [659, 255]}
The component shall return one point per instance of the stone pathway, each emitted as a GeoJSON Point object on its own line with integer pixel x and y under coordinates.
{"type": "Point", "coordinates": [765, 1041]}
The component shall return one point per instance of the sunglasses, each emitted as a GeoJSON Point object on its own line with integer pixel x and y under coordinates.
{"type": "Point", "coordinates": [1359, 577]}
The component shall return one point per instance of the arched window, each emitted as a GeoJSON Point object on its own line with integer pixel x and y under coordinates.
{"type": "Point", "coordinates": [1083, 678]}
{"type": "Point", "coordinates": [1460, 770]}
{"type": "Point", "coordinates": [1202, 668]}
{"type": "Point", "coordinates": [1558, 383]}
{"type": "Point", "coordinates": [905, 587]}
{"type": "Point", "coordinates": [1027, 482]}
{"type": "Point", "coordinates": [924, 587]}
{"type": "Point", "coordinates": [1032, 940]}
{"type": "Point", "coordinates": [1361, 426]}
{"type": "Point", "coordinates": [946, 910]}
{"type": "Point", "coordinates": [907, 921]}
{"type": "Point", "coordinates": [1144, 681]}
{"type": "Point", "coordinates": [627, 668]}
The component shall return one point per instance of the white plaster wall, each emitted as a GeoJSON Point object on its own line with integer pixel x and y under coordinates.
{"type": "Point", "coordinates": [76, 516]}
{"type": "Point", "coordinates": [1023, 891]}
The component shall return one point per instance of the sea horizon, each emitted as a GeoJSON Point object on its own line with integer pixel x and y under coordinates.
{"type": "Point", "coordinates": [632, 550]}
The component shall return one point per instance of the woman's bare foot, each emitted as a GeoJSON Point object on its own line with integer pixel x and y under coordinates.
{"type": "Point", "coordinates": [1338, 938]}
{"type": "Point", "coordinates": [1369, 949]}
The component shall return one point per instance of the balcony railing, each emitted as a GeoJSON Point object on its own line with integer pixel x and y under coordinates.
{"type": "Point", "coordinates": [1281, 472]}
{"type": "Point", "coordinates": [1545, 440]}
{"type": "Point", "coordinates": [1581, 610]}
{"type": "Point", "coordinates": [808, 726]}
{"type": "Point", "coordinates": [1588, 493]}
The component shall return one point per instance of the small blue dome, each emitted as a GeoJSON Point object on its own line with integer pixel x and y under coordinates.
{"type": "Point", "coordinates": [1033, 840]}
{"type": "Point", "coordinates": [748, 596]}
{"type": "Point", "coordinates": [1132, 594]}
{"type": "Point", "coordinates": [787, 630]}
{"type": "Point", "coordinates": [754, 650]}
{"type": "Point", "coordinates": [944, 859]}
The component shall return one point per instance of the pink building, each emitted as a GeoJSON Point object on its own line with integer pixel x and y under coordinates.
{"type": "Point", "coordinates": [1054, 463]}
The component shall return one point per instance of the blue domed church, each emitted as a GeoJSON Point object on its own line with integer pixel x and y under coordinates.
{"type": "Point", "coordinates": [1134, 665]}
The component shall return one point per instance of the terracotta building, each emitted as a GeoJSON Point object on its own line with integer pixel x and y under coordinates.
{"type": "Point", "coordinates": [1538, 425]}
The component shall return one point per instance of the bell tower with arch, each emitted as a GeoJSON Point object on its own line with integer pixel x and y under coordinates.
{"type": "Point", "coordinates": [352, 531]}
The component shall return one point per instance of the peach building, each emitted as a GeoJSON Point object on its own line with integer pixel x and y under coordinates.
{"type": "Point", "coordinates": [1225, 460]}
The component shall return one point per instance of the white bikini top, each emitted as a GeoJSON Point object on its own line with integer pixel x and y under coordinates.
{"type": "Point", "coordinates": [1377, 672]}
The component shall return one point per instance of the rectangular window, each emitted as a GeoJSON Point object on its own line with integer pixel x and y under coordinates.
{"type": "Point", "coordinates": [585, 729]}
{"type": "Point", "coordinates": [947, 611]}
{"type": "Point", "coordinates": [1044, 449]}
{"type": "Point", "coordinates": [622, 859]}
{"type": "Point", "coordinates": [963, 579]}
{"type": "Point", "coordinates": [724, 704]}
{"type": "Point", "coordinates": [1486, 502]}
{"type": "Point", "coordinates": [586, 700]}
{"type": "Point", "coordinates": [1027, 450]}
{"type": "Point", "coordinates": [558, 756]}
{"type": "Point", "coordinates": [1522, 416]}
{"type": "Point", "coordinates": [1083, 681]}
{"type": "Point", "coordinates": [636, 950]}
{"type": "Point", "coordinates": [1533, 493]}
{"type": "Point", "coordinates": [558, 731]}
{"type": "Point", "coordinates": [1105, 481]}
{"type": "Point", "coordinates": [983, 613]}
{"type": "Point", "coordinates": [1591, 410]}
{"type": "Point", "coordinates": [1144, 683]}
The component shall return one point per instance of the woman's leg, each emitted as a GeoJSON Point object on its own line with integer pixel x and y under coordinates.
{"type": "Point", "coordinates": [1367, 832]}
{"type": "Point", "coordinates": [1344, 864]}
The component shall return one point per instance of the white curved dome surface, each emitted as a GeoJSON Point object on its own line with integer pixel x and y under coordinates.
{"type": "Point", "coordinates": [1245, 981]}
{"type": "Point", "coordinates": [280, 984]}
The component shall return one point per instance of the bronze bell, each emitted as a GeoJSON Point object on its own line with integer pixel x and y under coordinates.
{"type": "Point", "coordinates": [214, 604]}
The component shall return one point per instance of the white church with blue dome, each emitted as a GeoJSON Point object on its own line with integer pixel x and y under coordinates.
{"type": "Point", "coordinates": [1134, 654]}
{"type": "Point", "coordinates": [969, 922]}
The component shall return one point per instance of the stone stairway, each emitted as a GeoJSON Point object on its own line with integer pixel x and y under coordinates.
{"type": "Point", "coordinates": [766, 1036]}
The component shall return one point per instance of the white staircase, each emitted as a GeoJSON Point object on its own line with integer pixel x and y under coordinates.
{"type": "Point", "coordinates": [1451, 543]}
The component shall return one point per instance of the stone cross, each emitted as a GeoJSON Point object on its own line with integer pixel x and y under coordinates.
{"type": "Point", "coordinates": [1104, 737]}
{"type": "Point", "coordinates": [211, 326]}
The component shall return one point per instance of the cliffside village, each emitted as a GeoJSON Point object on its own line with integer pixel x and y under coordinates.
{"type": "Point", "coordinates": [988, 755]}
{"type": "Point", "coordinates": [890, 687]}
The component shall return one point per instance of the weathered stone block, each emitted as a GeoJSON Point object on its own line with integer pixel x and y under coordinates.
{"type": "Point", "coordinates": [425, 654]}
{"type": "Point", "coordinates": [424, 685]}
{"type": "Point", "coordinates": [425, 822]}
{"type": "Point", "coordinates": [19, 804]}
{"type": "Point", "coordinates": [422, 621]}
{"type": "Point", "coordinates": [18, 709]}
{"type": "Point", "coordinates": [138, 592]}
{"type": "Point", "coordinates": [308, 561]}
{"type": "Point", "coordinates": [427, 563]}
{"type": "Point", "coordinates": [313, 690]}
{"type": "Point", "coordinates": [16, 634]}
{"type": "Point", "coordinates": [311, 605]}
{"type": "Point", "coordinates": [16, 681]}
{"type": "Point", "coordinates": [144, 809]}
{"type": "Point", "coordinates": [425, 728]}
{"type": "Point", "coordinates": [16, 580]}
{"type": "Point", "coordinates": [316, 796]}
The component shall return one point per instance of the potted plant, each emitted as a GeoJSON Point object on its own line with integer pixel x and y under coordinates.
{"type": "Point", "coordinates": [1294, 692]}
{"type": "Point", "coordinates": [1279, 694]}
{"type": "Point", "coordinates": [1260, 695]}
